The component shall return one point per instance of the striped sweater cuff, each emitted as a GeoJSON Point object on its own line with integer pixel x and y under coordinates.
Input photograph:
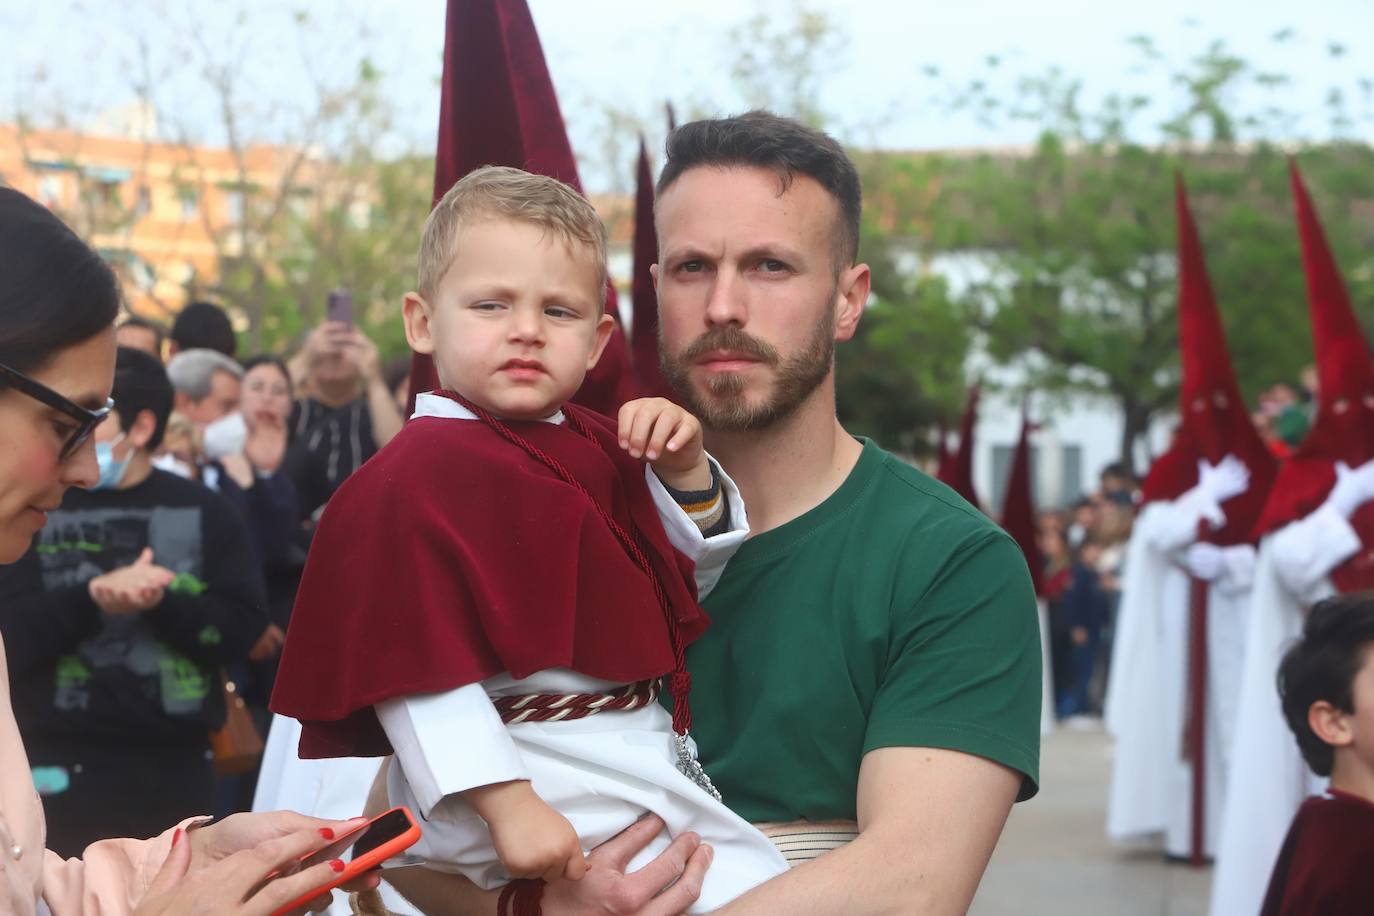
{"type": "Point", "coordinates": [708, 508]}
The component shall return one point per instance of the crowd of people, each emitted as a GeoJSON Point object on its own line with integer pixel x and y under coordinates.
{"type": "Point", "coordinates": [164, 591]}
{"type": "Point", "coordinates": [1083, 550]}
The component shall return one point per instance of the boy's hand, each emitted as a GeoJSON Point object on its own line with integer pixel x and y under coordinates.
{"type": "Point", "coordinates": [131, 589]}
{"type": "Point", "coordinates": [670, 438]}
{"type": "Point", "coordinates": [531, 839]}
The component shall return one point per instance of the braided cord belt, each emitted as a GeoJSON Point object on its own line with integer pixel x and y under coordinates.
{"type": "Point", "coordinates": [679, 680]}
{"type": "Point", "coordinates": [562, 707]}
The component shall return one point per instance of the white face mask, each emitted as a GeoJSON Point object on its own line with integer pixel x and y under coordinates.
{"type": "Point", "coordinates": [174, 465]}
{"type": "Point", "coordinates": [226, 436]}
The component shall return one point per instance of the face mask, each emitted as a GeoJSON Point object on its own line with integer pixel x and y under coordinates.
{"type": "Point", "coordinates": [226, 436]}
{"type": "Point", "coordinates": [174, 465]}
{"type": "Point", "coordinates": [112, 469]}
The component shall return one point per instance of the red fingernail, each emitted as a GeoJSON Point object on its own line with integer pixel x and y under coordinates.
{"type": "Point", "coordinates": [336, 864]}
{"type": "Point", "coordinates": [327, 833]}
{"type": "Point", "coordinates": [176, 836]}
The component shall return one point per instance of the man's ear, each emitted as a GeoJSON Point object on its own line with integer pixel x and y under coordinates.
{"type": "Point", "coordinates": [604, 328]}
{"type": "Point", "coordinates": [851, 298]}
{"type": "Point", "coordinates": [416, 313]}
{"type": "Point", "coordinates": [141, 432]}
{"type": "Point", "coordinates": [1330, 723]}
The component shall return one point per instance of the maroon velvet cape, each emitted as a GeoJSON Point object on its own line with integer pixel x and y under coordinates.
{"type": "Point", "coordinates": [1326, 865]}
{"type": "Point", "coordinates": [453, 556]}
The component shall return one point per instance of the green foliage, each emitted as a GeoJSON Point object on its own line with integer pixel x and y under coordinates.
{"type": "Point", "coordinates": [366, 243]}
{"type": "Point", "coordinates": [902, 373]}
{"type": "Point", "coordinates": [777, 64]}
{"type": "Point", "coordinates": [1075, 237]}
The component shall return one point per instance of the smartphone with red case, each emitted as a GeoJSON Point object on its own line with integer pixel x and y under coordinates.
{"type": "Point", "coordinates": [361, 850]}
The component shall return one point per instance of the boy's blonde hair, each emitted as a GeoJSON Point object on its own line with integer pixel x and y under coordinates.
{"type": "Point", "coordinates": [507, 193]}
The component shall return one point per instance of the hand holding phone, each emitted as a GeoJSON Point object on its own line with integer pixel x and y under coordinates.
{"type": "Point", "coordinates": [356, 852]}
{"type": "Point", "coordinates": [247, 865]}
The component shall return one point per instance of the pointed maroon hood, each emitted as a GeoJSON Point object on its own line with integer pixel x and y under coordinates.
{"type": "Point", "coordinates": [1018, 507]}
{"type": "Point", "coordinates": [644, 336]}
{"type": "Point", "coordinates": [958, 473]}
{"type": "Point", "coordinates": [1344, 427]}
{"type": "Point", "coordinates": [1213, 419]}
{"type": "Point", "coordinates": [497, 106]}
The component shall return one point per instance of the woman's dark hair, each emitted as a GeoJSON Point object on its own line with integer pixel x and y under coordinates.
{"type": "Point", "coordinates": [267, 359]}
{"type": "Point", "coordinates": [1322, 666]}
{"type": "Point", "coordinates": [760, 139]}
{"type": "Point", "coordinates": [55, 292]}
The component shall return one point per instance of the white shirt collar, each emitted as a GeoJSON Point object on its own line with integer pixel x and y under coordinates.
{"type": "Point", "coordinates": [436, 405]}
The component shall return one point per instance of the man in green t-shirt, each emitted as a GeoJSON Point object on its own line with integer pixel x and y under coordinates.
{"type": "Point", "coordinates": [874, 649]}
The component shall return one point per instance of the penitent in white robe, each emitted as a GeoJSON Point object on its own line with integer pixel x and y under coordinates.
{"type": "Point", "coordinates": [1147, 692]}
{"type": "Point", "coordinates": [1268, 778]}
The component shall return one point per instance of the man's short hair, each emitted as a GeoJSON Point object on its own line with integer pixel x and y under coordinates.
{"type": "Point", "coordinates": [760, 139]}
{"type": "Point", "coordinates": [1337, 637]}
{"type": "Point", "coordinates": [192, 372]}
{"type": "Point", "coordinates": [204, 326]}
{"type": "Point", "coordinates": [506, 193]}
{"type": "Point", "coordinates": [140, 383]}
{"type": "Point", "coordinates": [147, 324]}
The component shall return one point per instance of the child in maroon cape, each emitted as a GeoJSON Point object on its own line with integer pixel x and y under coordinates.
{"type": "Point", "coordinates": [495, 596]}
{"type": "Point", "coordinates": [1326, 682]}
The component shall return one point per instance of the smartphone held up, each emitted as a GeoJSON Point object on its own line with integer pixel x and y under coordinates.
{"type": "Point", "coordinates": [340, 307]}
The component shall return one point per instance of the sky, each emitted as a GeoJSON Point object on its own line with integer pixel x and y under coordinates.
{"type": "Point", "coordinates": [634, 55]}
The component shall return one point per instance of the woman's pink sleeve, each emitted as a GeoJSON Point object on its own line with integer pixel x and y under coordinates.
{"type": "Point", "coordinates": [111, 876]}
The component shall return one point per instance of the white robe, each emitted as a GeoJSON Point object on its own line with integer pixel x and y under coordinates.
{"type": "Point", "coordinates": [1147, 692]}
{"type": "Point", "coordinates": [304, 785]}
{"type": "Point", "coordinates": [335, 789]}
{"type": "Point", "coordinates": [1268, 778]}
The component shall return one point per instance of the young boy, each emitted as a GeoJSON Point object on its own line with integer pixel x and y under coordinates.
{"type": "Point", "coordinates": [1326, 683]}
{"type": "Point", "coordinates": [500, 568]}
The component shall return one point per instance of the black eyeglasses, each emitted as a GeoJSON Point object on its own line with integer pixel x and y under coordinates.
{"type": "Point", "coordinates": [86, 420]}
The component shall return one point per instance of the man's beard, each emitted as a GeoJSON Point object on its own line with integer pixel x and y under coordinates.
{"type": "Point", "coordinates": [722, 405]}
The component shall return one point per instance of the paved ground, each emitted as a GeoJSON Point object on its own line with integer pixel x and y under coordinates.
{"type": "Point", "coordinates": [1054, 857]}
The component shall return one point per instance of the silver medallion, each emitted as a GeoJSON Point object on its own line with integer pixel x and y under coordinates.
{"type": "Point", "coordinates": [689, 766]}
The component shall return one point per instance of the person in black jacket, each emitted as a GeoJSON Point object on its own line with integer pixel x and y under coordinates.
{"type": "Point", "coordinates": [118, 621]}
{"type": "Point", "coordinates": [1086, 607]}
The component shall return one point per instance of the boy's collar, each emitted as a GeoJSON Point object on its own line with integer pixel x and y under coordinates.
{"type": "Point", "coordinates": [433, 405]}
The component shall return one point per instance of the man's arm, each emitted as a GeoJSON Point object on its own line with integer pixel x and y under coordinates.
{"type": "Point", "coordinates": [928, 822]}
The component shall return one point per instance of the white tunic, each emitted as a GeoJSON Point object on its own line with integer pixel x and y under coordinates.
{"type": "Point", "coordinates": [1268, 778]}
{"type": "Point", "coordinates": [1147, 693]}
{"type": "Point", "coordinates": [601, 772]}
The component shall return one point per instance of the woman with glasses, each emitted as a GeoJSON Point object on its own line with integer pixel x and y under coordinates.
{"type": "Point", "coordinates": [58, 303]}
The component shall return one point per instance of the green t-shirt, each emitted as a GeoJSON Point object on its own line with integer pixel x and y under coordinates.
{"type": "Point", "coordinates": [891, 615]}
